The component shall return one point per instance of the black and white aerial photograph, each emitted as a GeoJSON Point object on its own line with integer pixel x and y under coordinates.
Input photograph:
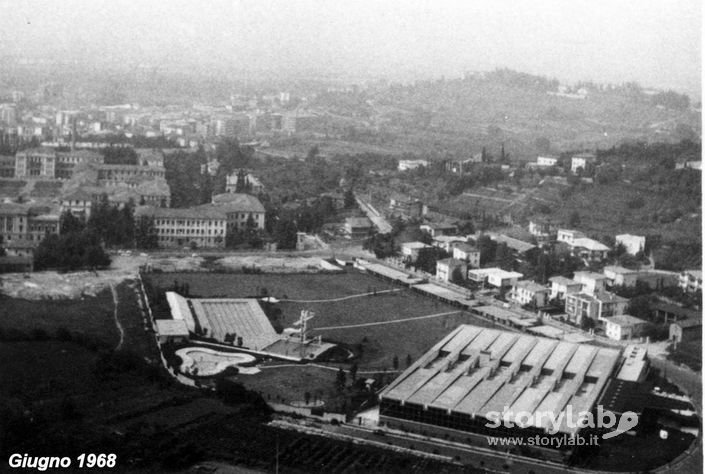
{"type": "Point", "coordinates": [351, 236]}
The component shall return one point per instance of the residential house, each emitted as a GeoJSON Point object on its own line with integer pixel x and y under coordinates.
{"type": "Point", "coordinates": [527, 292]}
{"type": "Point", "coordinates": [665, 312]}
{"type": "Point", "coordinates": [451, 269]}
{"type": "Point", "coordinates": [467, 253]}
{"type": "Point", "coordinates": [620, 276]}
{"type": "Point", "coordinates": [686, 331]}
{"type": "Point", "coordinates": [624, 326]}
{"type": "Point", "coordinates": [405, 165]}
{"type": "Point", "coordinates": [436, 230]}
{"type": "Point", "coordinates": [562, 286]}
{"type": "Point", "coordinates": [590, 249]}
{"type": "Point", "coordinates": [592, 282]}
{"type": "Point", "coordinates": [655, 279]}
{"type": "Point", "coordinates": [357, 227]}
{"type": "Point", "coordinates": [546, 161]}
{"type": "Point", "coordinates": [410, 250]}
{"type": "Point", "coordinates": [633, 244]}
{"type": "Point", "coordinates": [691, 281]}
{"type": "Point", "coordinates": [542, 230]}
{"type": "Point", "coordinates": [582, 162]}
{"type": "Point", "coordinates": [495, 277]}
{"type": "Point", "coordinates": [447, 242]}
{"type": "Point", "coordinates": [596, 307]}
{"type": "Point", "coordinates": [568, 236]}
{"type": "Point", "coordinates": [406, 207]}
{"type": "Point", "coordinates": [690, 165]}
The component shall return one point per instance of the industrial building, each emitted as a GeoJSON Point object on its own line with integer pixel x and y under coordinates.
{"type": "Point", "coordinates": [451, 390]}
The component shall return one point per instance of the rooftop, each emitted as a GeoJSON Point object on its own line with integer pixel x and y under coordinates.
{"type": "Point", "coordinates": [588, 276]}
{"type": "Point", "coordinates": [203, 212]}
{"type": "Point", "coordinates": [689, 323]}
{"type": "Point", "coordinates": [590, 244]}
{"type": "Point", "coordinates": [531, 286]}
{"type": "Point", "coordinates": [476, 370]}
{"type": "Point", "coordinates": [239, 202]}
{"type": "Point", "coordinates": [172, 327]}
{"type": "Point", "coordinates": [414, 245]}
{"type": "Point", "coordinates": [630, 236]}
{"type": "Point", "coordinates": [512, 243]}
{"type": "Point", "coordinates": [358, 222]}
{"type": "Point", "coordinates": [561, 280]}
{"type": "Point", "coordinates": [451, 262]}
{"type": "Point", "coordinates": [619, 270]}
{"type": "Point", "coordinates": [465, 247]}
{"type": "Point", "coordinates": [495, 272]}
{"type": "Point", "coordinates": [625, 320]}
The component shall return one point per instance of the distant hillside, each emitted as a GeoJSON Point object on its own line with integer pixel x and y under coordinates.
{"type": "Point", "coordinates": [529, 114]}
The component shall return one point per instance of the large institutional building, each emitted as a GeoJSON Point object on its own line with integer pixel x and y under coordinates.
{"type": "Point", "coordinates": [206, 225]}
{"type": "Point", "coordinates": [26, 222]}
{"type": "Point", "coordinates": [453, 390]}
{"type": "Point", "coordinates": [48, 163]}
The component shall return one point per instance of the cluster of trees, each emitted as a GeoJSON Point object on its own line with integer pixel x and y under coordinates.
{"type": "Point", "coordinates": [250, 235]}
{"type": "Point", "coordinates": [71, 251]}
{"type": "Point", "coordinates": [119, 155]}
{"type": "Point", "coordinates": [189, 185]}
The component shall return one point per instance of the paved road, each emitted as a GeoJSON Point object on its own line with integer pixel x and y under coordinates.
{"type": "Point", "coordinates": [383, 227]}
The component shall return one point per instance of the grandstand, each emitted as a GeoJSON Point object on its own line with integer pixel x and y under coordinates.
{"type": "Point", "coordinates": [240, 322]}
{"type": "Point", "coordinates": [242, 317]}
{"type": "Point", "coordinates": [452, 389]}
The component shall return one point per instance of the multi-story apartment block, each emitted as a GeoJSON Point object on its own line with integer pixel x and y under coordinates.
{"type": "Point", "coordinates": [529, 292]}
{"type": "Point", "coordinates": [467, 253]}
{"type": "Point", "coordinates": [596, 307]}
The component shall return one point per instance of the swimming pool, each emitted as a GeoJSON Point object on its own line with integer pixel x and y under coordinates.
{"type": "Point", "coordinates": [205, 362]}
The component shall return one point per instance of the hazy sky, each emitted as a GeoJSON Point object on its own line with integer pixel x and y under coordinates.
{"type": "Point", "coordinates": [655, 42]}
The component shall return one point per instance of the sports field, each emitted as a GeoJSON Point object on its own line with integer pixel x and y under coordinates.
{"type": "Point", "coordinates": [355, 308]}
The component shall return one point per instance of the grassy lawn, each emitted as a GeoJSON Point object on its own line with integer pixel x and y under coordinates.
{"type": "Point", "coordinates": [91, 316]}
{"type": "Point", "coordinates": [688, 353]}
{"type": "Point", "coordinates": [295, 286]}
{"type": "Point", "coordinates": [289, 384]}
